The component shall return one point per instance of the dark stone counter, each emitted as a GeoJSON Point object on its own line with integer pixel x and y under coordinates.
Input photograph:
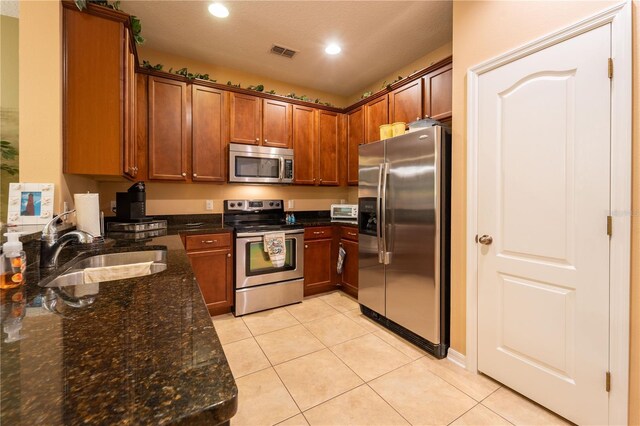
{"type": "Point", "coordinates": [144, 352]}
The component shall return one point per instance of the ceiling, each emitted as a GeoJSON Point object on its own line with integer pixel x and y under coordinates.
{"type": "Point", "coordinates": [377, 37]}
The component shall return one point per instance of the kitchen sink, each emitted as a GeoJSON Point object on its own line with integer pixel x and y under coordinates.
{"type": "Point", "coordinates": [113, 266]}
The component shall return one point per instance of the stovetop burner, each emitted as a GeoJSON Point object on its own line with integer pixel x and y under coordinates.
{"type": "Point", "coordinates": [253, 216]}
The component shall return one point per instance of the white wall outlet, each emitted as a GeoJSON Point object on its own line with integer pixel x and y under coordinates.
{"type": "Point", "coordinates": [112, 204]}
{"type": "Point", "coordinates": [291, 204]}
{"type": "Point", "coordinates": [208, 205]}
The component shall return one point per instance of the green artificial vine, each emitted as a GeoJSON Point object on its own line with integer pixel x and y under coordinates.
{"type": "Point", "coordinates": [136, 25]}
{"type": "Point", "coordinates": [9, 154]}
{"type": "Point", "coordinates": [184, 72]}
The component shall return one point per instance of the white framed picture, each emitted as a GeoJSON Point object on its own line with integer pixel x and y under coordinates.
{"type": "Point", "coordinates": [30, 203]}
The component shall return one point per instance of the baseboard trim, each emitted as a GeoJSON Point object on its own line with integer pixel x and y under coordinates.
{"type": "Point", "coordinates": [457, 358]}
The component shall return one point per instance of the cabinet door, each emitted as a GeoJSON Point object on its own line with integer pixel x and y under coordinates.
{"type": "Point", "coordinates": [276, 123]}
{"type": "Point", "coordinates": [355, 137]}
{"type": "Point", "coordinates": [328, 136]}
{"type": "Point", "coordinates": [304, 142]}
{"type": "Point", "coordinates": [213, 271]}
{"type": "Point", "coordinates": [244, 120]}
{"type": "Point", "coordinates": [350, 267]}
{"type": "Point", "coordinates": [376, 114]}
{"type": "Point", "coordinates": [130, 162]}
{"type": "Point", "coordinates": [405, 103]}
{"type": "Point", "coordinates": [317, 266]}
{"type": "Point", "coordinates": [208, 134]}
{"type": "Point", "coordinates": [437, 93]}
{"type": "Point", "coordinates": [93, 94]}
{"type": "Point", "coordinates": [167, 129]}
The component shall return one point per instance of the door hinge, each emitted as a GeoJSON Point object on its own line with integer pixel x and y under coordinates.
{"type": "Point", "coordinates": [607, 384]}
{"type": "Point", "coordinates": [610, 68]}
{"type": "Point", "coordinates": [609, 225]}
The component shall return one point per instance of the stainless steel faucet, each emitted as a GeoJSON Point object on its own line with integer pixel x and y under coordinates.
{"type": "Point", "coordinates": [50, 244]}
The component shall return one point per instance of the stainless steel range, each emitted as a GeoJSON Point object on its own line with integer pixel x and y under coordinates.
{"type": "Point", "coordinates": [259, 284]}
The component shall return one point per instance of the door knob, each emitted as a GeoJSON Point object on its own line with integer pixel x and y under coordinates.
{"type": "Point", "coordinates": [485, 240]}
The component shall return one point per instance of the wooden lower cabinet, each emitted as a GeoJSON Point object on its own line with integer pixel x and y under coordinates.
{"type": "Point", "coordinates": [318, 260]}
{"type": "Point", "coordinates": [349, 278]}
{"type": "Point", "coordinates": [213, 269]}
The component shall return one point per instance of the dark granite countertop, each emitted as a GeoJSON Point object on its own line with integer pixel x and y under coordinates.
{"type": "Point", "coordinates": [144, 352]}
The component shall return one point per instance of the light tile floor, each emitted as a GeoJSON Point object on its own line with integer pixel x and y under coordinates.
{"type": "Point", "coordinates": [321, 362]}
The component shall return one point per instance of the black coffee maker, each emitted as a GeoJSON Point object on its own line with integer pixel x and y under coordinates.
{"type": "Point", "coordinates": [131, 205]}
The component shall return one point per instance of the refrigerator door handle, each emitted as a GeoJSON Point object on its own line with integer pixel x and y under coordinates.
{"type": "Point", "coordinates": [378, 217]}
{"type": "Point", "coordinates": [385, 254]}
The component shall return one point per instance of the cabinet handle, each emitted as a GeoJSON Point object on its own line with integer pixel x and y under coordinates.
{"type": "Point", "coordinates": [257, 139]}
{"type": "Point", "coordinates": [228, 254]}
{"type": "Point", "coordinates": [417, 118]}
{"type": "Point", "coordinates": [135, 169]}
{"type": "Point", "coordinates": [195, 175]}
{"type": "Point", "coordinates": [266, 140]}
{"type": "Point", "coordinates": [184, 174]}
{"type": "Point", "coordinates": [353, 234]}
{"type": "Point", "coordinates": [306, 246]}
{"type": "Point", "coordinates": [320, 180]}
{"type": "Point", "coordinates": [426, 116]}
{"type": "Point", "coordinates": [318, 232]}
{"type": "Point", "coordinates": [209, 241]}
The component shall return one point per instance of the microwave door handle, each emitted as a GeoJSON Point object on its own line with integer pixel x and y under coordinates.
{"type": "Point", "coordinates": [281, 160]}
{"type": "Point", "coordinates": [379, 218]}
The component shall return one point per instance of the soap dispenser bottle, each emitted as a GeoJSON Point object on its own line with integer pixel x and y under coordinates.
{"type": "Point", "coordinates": [14, 262]}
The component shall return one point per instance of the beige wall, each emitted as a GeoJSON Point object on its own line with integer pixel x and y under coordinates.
{"type": "Point", "coordinates": [420, 63]}
{"type": "Point", "coordinates": [481, 31]}
{"type": "Point", "coordinates": [223, 74]}
{"type": "Point", "coordinates": [176, 198]}
{"type": "Point", "coordinates": [41, 99]}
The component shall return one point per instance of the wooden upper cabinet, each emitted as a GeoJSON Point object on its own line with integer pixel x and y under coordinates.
{"type": "Point", "coordinates": [94, 97]}
{"type": "Point", "coordinates": [130, 162]}
{"type": "Point", "coordinates": [405, 103]}
{"type": "Point", "coordinates": [304, 143]}
{"type": "Point", "coordinates": [276, 124]}
{"type": "Point", "coordinates": [244, 119]}
{"type": "Point", "coordinates": [328, 141]}
{"type": "Point", "coordinates": [438, 93]}
{"type": "Point", "coordinates": [168, 131]}
{"type": "Point", "coordinates": [208, 134]}
{"type": "Point", "coordinates": [355, 137]}
{"type": "Point", "coordinates": [376, 114]}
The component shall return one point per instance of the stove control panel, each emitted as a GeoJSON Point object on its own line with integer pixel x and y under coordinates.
{"type": "Point", "coordinates": [252, 205]}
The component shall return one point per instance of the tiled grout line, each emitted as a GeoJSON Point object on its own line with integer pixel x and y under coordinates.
{"type": "Point", "coordinates": [387, 402]}
{"type": "Point", "coordinates": [477, 403]}
{"type": "Point", "coordinates": [497, 414]}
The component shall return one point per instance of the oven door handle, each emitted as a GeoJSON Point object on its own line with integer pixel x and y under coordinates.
{"type": "Point", "coordinates": [258, 236]}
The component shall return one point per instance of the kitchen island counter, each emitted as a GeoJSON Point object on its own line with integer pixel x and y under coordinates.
{"type": "Point", "coordinates": [144, 352]}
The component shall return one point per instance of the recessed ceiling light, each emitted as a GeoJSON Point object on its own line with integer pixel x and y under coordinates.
{"type": "Point", "coordinates": [218, 10]}
{"type": "Point", "coordinates": [332, 49]}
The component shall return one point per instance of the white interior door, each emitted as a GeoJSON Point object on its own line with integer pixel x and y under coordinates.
{"type": "Point", "coordinates": [543, 197]}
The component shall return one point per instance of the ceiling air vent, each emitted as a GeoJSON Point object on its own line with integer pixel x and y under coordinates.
{"type": "Point", "coordinates": [283, 51]}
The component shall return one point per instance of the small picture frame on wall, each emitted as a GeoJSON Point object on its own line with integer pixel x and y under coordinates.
{"type": "Point", "coordinates": [30, 203]}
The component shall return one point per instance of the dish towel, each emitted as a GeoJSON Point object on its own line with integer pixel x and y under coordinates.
{"type": "Point", "coordinates": [118, 272]}
{"type": "Point", "coordinates": [274, 245]}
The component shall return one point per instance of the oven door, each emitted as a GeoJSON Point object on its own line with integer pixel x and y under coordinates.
{"type": "Point", "coordinates": [253, 266]}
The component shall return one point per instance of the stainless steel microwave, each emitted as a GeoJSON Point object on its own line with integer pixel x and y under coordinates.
{"type": "Point", "coordinates": [259, 164]}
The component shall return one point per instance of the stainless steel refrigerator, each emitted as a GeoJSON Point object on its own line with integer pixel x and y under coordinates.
{"type": "Point", "coordinates": [404, 235]}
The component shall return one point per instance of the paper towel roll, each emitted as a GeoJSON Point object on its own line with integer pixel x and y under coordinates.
{"type": "Point", "coordinates": [87, 213]}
